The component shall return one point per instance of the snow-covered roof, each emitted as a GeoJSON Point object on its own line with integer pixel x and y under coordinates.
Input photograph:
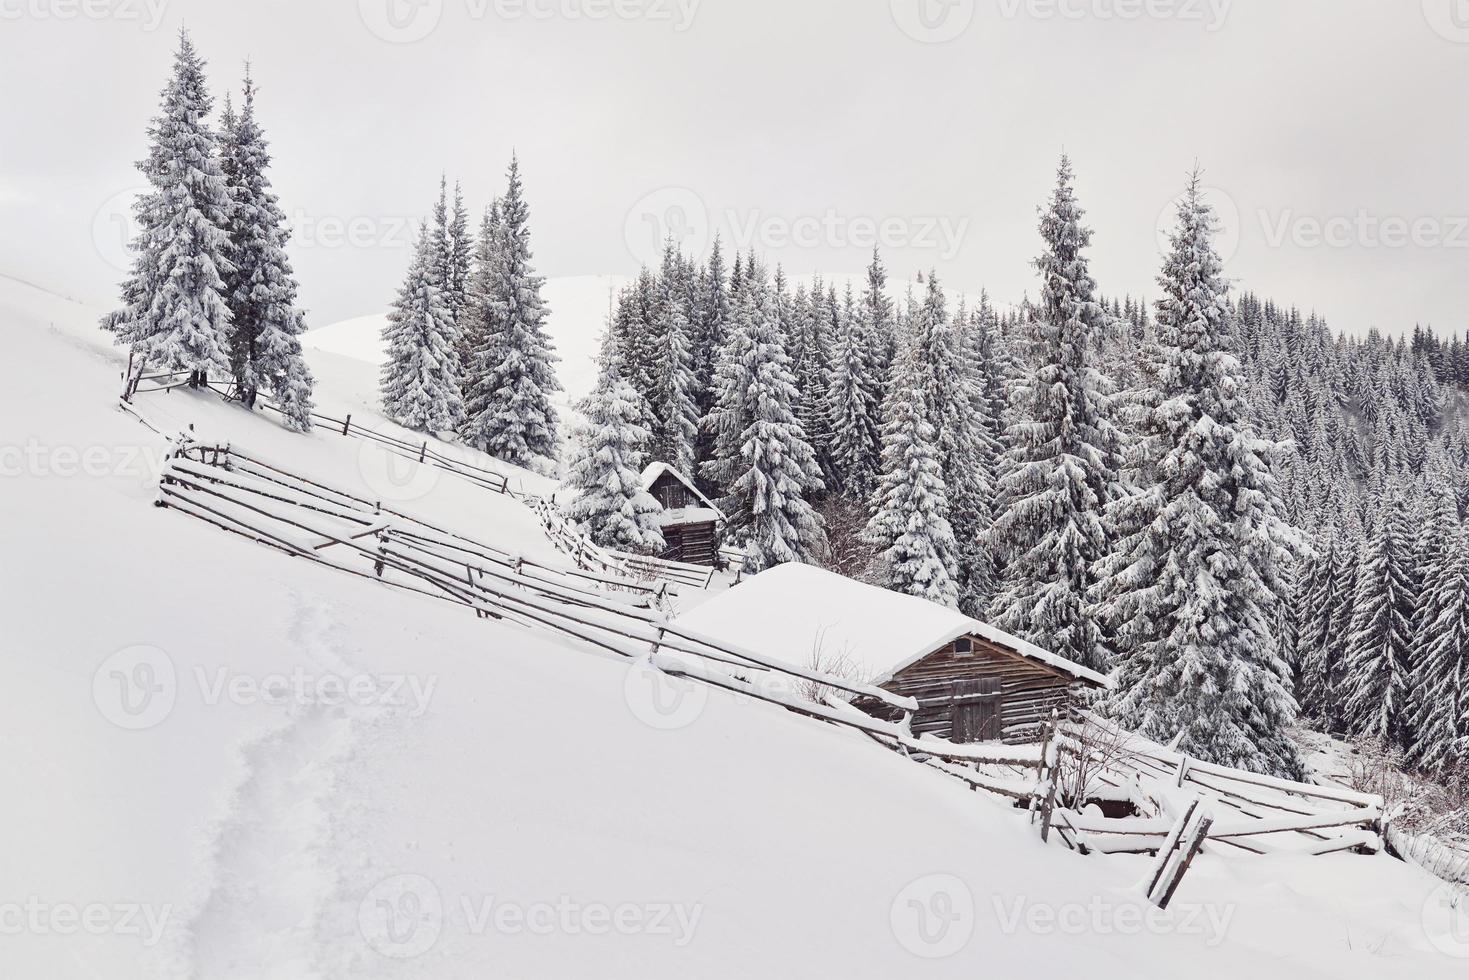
{"type": "Point", "coordinates": [792, 610]}
{"type": "Point", "coordinates": [689, 515]}
{"type": "Point", "coordinates": [655, 470]}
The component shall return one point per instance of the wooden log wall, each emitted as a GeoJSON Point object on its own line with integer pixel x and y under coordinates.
{"type": "Point", "coordinates": [1029, 691]}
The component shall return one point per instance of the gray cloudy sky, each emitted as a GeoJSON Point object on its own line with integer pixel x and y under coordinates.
{"type": "Point", "coordinates": [1332, 133]}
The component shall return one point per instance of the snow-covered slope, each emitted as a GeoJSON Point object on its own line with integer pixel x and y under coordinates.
{"type": "Point", "coordinates": [231, 763]}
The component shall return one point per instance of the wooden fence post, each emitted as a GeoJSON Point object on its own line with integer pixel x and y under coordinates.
{"type": "Point", "coordinates": [347, 425]}
{"type": "Point", "coordinates": [423, 452]}
{"type": "Point", "coordinates": [1195, 842]}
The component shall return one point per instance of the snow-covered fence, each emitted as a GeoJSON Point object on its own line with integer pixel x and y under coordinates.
{"type": "Point", "coordinates": [419, 451]}
{"type": "Point", "coordinates": [1273, 814]}
{"type": "Point", "coordinates": [562, 532]}
{"type": "Point", "coordinates": [567, 537]}
{"type": "Point", "coordinates": [245, 495]}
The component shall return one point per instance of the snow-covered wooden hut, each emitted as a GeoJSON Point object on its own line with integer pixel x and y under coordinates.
{"type": "Point", "coordinates": [973, 683]}
{"type": "Point", "coordinates": [690, 520]}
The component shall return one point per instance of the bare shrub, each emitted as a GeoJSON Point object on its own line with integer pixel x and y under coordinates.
{"type": "Point", "coordinates": [848, 554]}
{"type": "Point", "coordinates": [838, 664]}
{"type": "Point", "coordinates": [1078, 773]}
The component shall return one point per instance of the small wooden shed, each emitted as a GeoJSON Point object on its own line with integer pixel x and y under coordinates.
{"type": "Point", "coordinates": [972, 682]}
{"type": "Point", "coordinates": [690, 521]}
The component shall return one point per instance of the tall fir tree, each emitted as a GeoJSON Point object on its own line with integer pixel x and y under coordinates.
{"type": "Point", "coordinates": [420, 380]}
{"type": "Point", "coordinates": [514, 375]}
{"type": "Point", "coordinates": [605, 469]}
{"type": "Point", "coordinates": [675, 390]}
{"type": "Point", "coordinates": [763, 458]}
{"type": "Point", "coordinates": [1059, 470]}
{"type": "Point", "coordinates": [910, 526]}
{"type": "Point", "coordinates": [175, 316]}
{"type": "Point", "coordinates": [458, 264]}
{"type": "Point", "coordinates": [855, 407]}
{"type": "Point", "coordinates": [1378, 666]}
{"type": "Point", "coordinates": [266, 324]}
{"type": "Point", "coordinates": [1195, 587]}
{"type": "Point", "coordinates": [949, 385]}
{"type": "Point", "coordinates": [877, 312]}
{"type": "Point", "coordinates": [1439, 722]}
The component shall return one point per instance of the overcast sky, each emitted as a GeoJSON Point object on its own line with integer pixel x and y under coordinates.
{"type": "Point", "coordinates": [1333, 134]}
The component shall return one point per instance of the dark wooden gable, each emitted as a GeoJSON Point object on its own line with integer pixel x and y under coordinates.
{"type": "Point", "coordinates": [673, 493]}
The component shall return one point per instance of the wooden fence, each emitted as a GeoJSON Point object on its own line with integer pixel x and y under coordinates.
{"type": "Point", "coordinates": [625, 616]}
{"type": "Point", "coordinates": [562, 532]}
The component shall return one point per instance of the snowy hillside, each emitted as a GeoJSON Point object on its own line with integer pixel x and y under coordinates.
{"type": "Point", "coordinates": [222, 762]}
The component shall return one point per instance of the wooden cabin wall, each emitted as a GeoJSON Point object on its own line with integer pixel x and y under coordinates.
{"type": "Point", "coordinates": [696, 544]}
{"type": "Point", "coordinates": [1029, 692]}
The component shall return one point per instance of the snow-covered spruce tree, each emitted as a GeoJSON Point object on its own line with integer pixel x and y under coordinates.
{"type": "Point", "coordinates": [174, 315]}
{"type": "Point", "coordinates": [911, 526]}
{"type": "Point", "coordinates": [950, 392]}
{"type": "Point", "coordinates": [420, 381]}
{"type": "Point", "coordinates": [1318, 590]}
{"type": "Point", "coordinates": [266, 324]}
{"type": "Point", "coordinates": [985, 372]}
{"type": "Point", "coordinates": [730, 413]}
{"type": "Point", "coordinates": [509, 402]}
{"type": "Point", "coordinates": [767, 465]}
{"type": "Point", "coordinates": [635, 329]}
{"type": "Point", "coordinates": [1194, 592]}
{"type": "Point", "coordinates": [711, 325]}
{"type": "Point", "coordinates": [1439, 721]}
{"type": "Point", "coordinates": [807, 337]}
{"type": "Point", "coordinates": [459, 259]}
{"type": "Point", "coordinates": [877, 312]}
{"type": "Point", "coordinates": [1059, 470]}
{"type": "Point", "coordinates": [676, 423]}
{"type": "Point", "coordinates": [855, 400]}
{"type": "Point", "coordinates": [1379, 652]}
{"type": "Point", "coordinates": [478, 288]}
{"type": "Point", "coordinates": [780, 467]}
{"type": "Point", "coordinates": [605, 469]}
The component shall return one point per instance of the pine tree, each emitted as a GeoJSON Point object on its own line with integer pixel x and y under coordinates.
{"type": "Point", "coordinates": [1193, 591]}
{"type": "Point", "coordinates": [855, 408]}
{"type": "Point", "coordinates": [605, 469]}
{"type": "Point", "coordinates": [459, 248]}
{"type": "Point", "coordinates": [877, 312]}
{"type": "Point", "coordinates": [266, 324]}
{"type": "Point", "coordinates": [509, 402]}
{"type": "Point", "coordinates": [420, 387]}
{"type": "Point", "coordinates": [762, 455]}
{"type": "Point", "coordinates": [479, 289]}
{"type": "Point", "coordinates": [911, 526]}
{"type": "Point", "coordinates": [950, 387]}
{"type": "Point", "coordinates": [1439, 723]}
{"type": "Point", "coordinates": [730, 414]}
{"type": "Point", "coordinates": [806, 335]}
{"type": "Point", "coordinates": [1378, 656]}
{"type": "Point", "coordinates": [1059, 470]}
{"type": "Point", "coordinates": [174, 315]}
{"type": "Point", "coordinates": [676, 425]}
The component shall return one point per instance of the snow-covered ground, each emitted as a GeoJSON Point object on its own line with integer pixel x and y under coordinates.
{"type": "Point", "coordinates": [218, 761]}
